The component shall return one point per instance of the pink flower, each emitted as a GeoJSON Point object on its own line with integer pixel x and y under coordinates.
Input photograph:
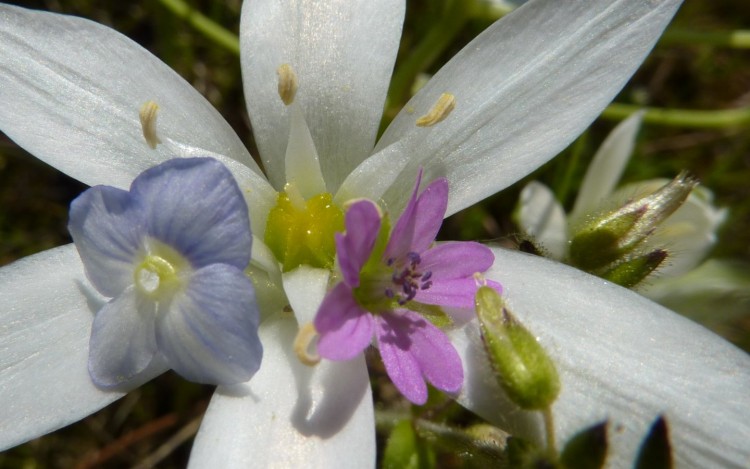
{"type": "Point", "coordinates": [383, 287]}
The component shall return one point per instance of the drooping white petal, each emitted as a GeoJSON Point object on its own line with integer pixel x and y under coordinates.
{"type": "Point", "coordinates": [542, 217]}
{"type": "Point", "coordinates": [290, 415]}
{"type": "Point", "coordinates": [607, 165]}
{"type": "Point", "coordinates": [46, 310]}
{"type": "Point", "coordinates": [620, 357]}
{"type": "Point", "coordinates": [342, 52]}
{"type": "Point", "coordinates": [72, 90]}
{"type": "Point", "coordinates": [524, 89]}
{"type": "Point", "coordinates": [305, 287]}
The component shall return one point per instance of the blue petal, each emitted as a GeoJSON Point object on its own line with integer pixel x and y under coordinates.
{"type": "Point", "coordinates": [195, 206]}
{"type": "Point", "coordinates": [107, 228]}
{"type": "Point", "coordinates": [123, 343]}
{"type": "Point", "coordinates": [209, 332]}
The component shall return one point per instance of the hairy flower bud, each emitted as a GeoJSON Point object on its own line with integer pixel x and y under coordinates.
{"type": "Point", "coordinates": [612, 237]}
{"type": "Point", "coordinates": [521, 366]}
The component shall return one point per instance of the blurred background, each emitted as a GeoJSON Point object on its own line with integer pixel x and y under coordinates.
{"type": "Point", "coordinates": [702, 63]}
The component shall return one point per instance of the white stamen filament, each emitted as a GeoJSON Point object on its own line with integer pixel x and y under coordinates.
{"type": "Point", "coordinates": [479, 279]}
{"type": "Point", "coordinates": [148, 123]}
{"type": "Point", "coordinates": [305, 337]}
{"type": "Point", "coordinates": [444, 105]}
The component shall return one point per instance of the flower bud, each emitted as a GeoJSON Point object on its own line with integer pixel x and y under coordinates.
{"type": "Point", "coordinates": [612, 237]}
{"type": "Point", "coordinates": [522, 367]}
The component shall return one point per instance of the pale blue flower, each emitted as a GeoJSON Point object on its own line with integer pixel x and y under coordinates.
{"type": "Point", "coordinates": [171, 253]}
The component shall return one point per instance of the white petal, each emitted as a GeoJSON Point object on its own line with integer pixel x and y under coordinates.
{"type": "Point", "coordinates": [72, 90]}
{"type": "Point", "coordinates": [620, 357]}
{"type": "Point", "coordinates": [290, 415]}
{"type": "Point", "coordinates": [302, 163]}
{"type": "Point", "coordinates": [306, 287]}
{"type": "Point", "coordinates": [372, 178]}
{"type": "Point", "coordinates": [342, 52]}
{"type": "Point", "coordinates": [542, 217]}
{"type": "Point", "coordinates": [524, 89]}
{"type": "Point", "coordinates": [47, 308]}
{"type": "Point", "coordinates": [606, 167]}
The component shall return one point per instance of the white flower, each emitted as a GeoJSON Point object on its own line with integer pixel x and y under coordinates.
{"type": "Point", "coordinates": [526, 87]}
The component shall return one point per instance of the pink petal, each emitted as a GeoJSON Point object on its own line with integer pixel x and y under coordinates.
{"type": "Point", "coordinates": [395, 350]}
{"type": "Point", "coordinates": [413, 350]}
{"type": "Point", "coordinates": [429, 214]}
{"type": "Point", "coordinates": [345, 328]}
{"type": "Point", "coordinates": [456, 259]}
{"type": "Point", "coordinates": [354, 247]}
{"type": "Point", "coordinates": [437, 358]}
{"type": "Point", "coordinates": [418, 225]}
{"type": "Point", "coordinates": [403, 232]}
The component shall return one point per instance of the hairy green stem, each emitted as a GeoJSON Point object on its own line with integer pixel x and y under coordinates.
{"type": "Point", "coordinates": [204, 25]}
{"type": "Point", "coordinates": [714, 119]}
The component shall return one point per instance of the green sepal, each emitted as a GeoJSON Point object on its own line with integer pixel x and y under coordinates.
{"type": "Point", "coordinates": [599, 244]}
{"type": "Point", "coordinates": [521, 366]}
{"type": "Point", "coordinates": [432, 313]}
{"type": "Point", "coordinates": [587, 449]}
{"type": "Point", "coordinates": [631, 272]}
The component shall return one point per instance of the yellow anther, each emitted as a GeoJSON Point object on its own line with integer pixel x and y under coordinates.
{"type": "Point", "coordinates": [287, 83]}
{"type": "Point", "coordinates": [305, 337]}
{"type": "Point", "coordinates": [444, 105]}
{"type": "Point", "coordinates": [148, 123]}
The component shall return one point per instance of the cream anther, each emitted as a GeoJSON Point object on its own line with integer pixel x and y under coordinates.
{"type": "Point", "coordinates": [305, 337]}
{"type": "Point", "coordinates": [287, 83]}
{"type": "Point", "coordinates": [148, 123]}
{"type": "Point", "coordinates": [444, 105]}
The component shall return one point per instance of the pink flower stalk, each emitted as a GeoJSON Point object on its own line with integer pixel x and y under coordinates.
{"type": "Point", "coordinates": [384, 286]}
